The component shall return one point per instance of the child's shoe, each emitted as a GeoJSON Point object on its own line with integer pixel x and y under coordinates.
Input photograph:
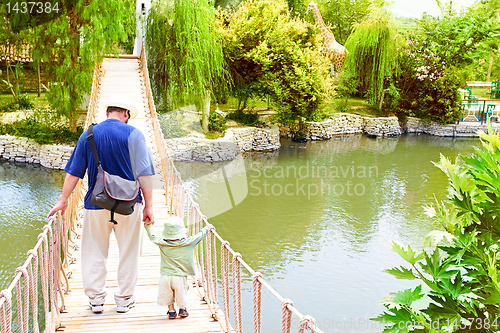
{"type": "Point", "coordinates": [172, 314]}
{"type": "Point", "coordinates": [183, 313]}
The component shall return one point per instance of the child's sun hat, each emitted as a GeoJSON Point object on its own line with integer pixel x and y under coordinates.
{"type": "Point", "coordinates": [174, 228]}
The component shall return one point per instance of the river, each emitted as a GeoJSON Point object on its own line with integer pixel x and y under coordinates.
{"type": "Point", "coordinates": [316, 219]}
{"type": "Point", "coordinates": [27, 193]}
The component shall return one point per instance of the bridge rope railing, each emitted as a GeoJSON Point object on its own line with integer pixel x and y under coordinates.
{"type": "Point", "coordinates": [45, 271]}
{"type": "Point", "coordinates": [210, 278]}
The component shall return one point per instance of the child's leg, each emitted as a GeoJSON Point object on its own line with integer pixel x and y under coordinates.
{"type": "Point", "coordinates": [166, 295]}
{"type": "Point", "coordinates": [181, 288]}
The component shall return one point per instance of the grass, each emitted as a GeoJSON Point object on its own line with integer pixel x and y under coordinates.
{"type": "Point", "coordinates": [40, 102]}
{"type": "Point", "coordinates": [356, 105]}
{"type": "Point", "coordinates": [232, 104]}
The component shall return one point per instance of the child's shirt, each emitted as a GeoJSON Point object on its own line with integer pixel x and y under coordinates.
{"type": "Point", "coordinates": [177, 256]}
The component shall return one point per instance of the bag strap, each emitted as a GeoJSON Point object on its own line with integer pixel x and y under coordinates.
{"type": "Point", "coordinates": [90, 139]}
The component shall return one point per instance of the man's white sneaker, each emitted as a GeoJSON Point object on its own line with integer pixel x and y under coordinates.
{"type": "Point", "coordinates": [96, 308]}
{"type": "Point", "coordinates": [125, 308]}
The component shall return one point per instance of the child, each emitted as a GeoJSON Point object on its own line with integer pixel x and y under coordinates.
{"type": "Point", "coordinates": [177, 262]}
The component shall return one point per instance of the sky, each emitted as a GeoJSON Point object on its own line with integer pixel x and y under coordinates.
{"type": "Point", "coordinates": [415, 8]}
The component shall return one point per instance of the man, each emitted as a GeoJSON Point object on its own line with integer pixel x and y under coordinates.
{"type": "Point", "coordinates": [123, 152]}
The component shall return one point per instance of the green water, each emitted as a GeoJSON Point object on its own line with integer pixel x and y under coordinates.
{"type": "Point", "coordinates": [27, 193]}
{"type": "Point", "coordinates": [317, 220]}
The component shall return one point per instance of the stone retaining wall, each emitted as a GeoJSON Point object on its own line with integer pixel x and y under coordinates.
{"type": "Point", "coordinates": [253, 138]}
{"type": "Point", "coordinates": [226, 148]}
{"type": "Point", "coordinates": [246, 139]}
{"type": "Point", "coordinates": [28, 151]}
{"type": "Point", "coordinates": [463, 129]}
{"type": "Point", "coordinates": [205, 150]}
{"type": "Point", "coordinates": [346, 123]}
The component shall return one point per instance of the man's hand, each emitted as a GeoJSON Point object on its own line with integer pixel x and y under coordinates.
{"type": "Point", "coordinates": [147, 216]}
{"type": "Point", "coordinates": [68, 187]}
{"type": "Point", "coordinates": [147, 193]}
{"type": "Point", "coordinates": [60, 205]}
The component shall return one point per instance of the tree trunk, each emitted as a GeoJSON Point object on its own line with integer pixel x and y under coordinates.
{"type": "Point", "coordinates": [72, 121]}
{"type": "Point", "coordinates": [17, 80]}
{"type": "Point", "coordinates": [11, 86]}
{"type": "Point", "coordinates": [39, 80]}
{"type": "Point", "coordinates": [205, 109]}
{"type": "Point", "coordinates": [490, 67]}
{"type": "Point", "coordinates": [382, 95]}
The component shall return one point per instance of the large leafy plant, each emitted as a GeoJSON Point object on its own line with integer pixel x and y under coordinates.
{"type": "Point", "coordinates": [459, 267]}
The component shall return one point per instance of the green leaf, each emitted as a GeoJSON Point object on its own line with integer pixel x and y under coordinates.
{"type": "Point", "coordinates": [392, 318]}
{"type": "Point", "coordinates": [401, 273]}
{"type": "Point", "coordinates": [409, 255]}
{"type": "Point", "coordinates": [455, 287]}
{"type": "Point", "coordinates": [407, 296]}
{"type": "Point", "coordinates": [436, 267]}
{"type": "Point", "coordinates": [443, 308]}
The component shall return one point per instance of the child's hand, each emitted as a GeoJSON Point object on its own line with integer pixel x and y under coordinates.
{"type": "Point", "coordinates": [210, 226]}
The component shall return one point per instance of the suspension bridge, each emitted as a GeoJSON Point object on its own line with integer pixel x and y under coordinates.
{"type": "Point", "coordinates": [46, 294]}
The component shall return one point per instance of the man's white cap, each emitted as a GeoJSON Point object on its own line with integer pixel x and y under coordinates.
{"type": "Point", "coordinates": [121, 101]}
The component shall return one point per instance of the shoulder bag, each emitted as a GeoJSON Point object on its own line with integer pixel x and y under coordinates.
{"type": "Point", "coordinates": [112, 192]}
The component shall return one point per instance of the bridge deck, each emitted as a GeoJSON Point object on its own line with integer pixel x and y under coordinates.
{"type": "Point", "coordinates": [122, 76]}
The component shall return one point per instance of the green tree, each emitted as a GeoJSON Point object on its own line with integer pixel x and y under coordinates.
{"type": "Point", "coordinates": [342, 15]}
{"type": "Point", "coordinates": [78, 40]}
{"type": "Point", "coordinates": [459, 266]}
{"type": "Point", "coordinates": [185, 53]}
{"type": "Point", "coordinates": [456, 37]}
{"type": "Point", "coordinates": [372, 52]}
{"type": "Point", "coordinates": [14, 45]}
{"type": "Point", "coordinates": [268, 49]}
{"type": "Point", "coordinates": [129, 21]}
{"type": "Point", "coordinates": [425, 87]}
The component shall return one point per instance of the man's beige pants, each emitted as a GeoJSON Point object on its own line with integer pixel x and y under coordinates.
{"type": "Point", "coordinates": [95, 245]}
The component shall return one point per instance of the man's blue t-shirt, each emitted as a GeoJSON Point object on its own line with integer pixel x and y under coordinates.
{"type": "Point", "coordinates": [122, 150]}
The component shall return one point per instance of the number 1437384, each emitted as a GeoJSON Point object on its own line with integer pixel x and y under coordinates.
{"type": "Point", "coordinates": [31, 7]}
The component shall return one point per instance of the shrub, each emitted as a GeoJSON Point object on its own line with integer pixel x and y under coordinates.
{"type": "Point", "coordinates": [425, 88]}
{"type": "Point", "coordinates": [172, 125]}
{"type": "Point", "coordinates": [250, 118]}
{"type": "Point", "coordinates": [25, 102]}
{"type": "Point", "coordinates": [269, 50]}
{"type": "Point", "coordinates": [9, 107]}
{"type": "Point", "coordinates": [216, 122]}
{"type": "Point", "coordinates": [459, 265]}
{"type": "Point", "coordinates": [43, 126]}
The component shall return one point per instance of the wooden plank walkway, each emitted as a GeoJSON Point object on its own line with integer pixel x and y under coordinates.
{"type": "Point", "coordinates": [122, 76]}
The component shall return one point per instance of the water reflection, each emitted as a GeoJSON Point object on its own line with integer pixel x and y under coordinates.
{"type": "Point", "coordinates": [319, 218]}
{"type": "Point", "coordinates": [27, 193]}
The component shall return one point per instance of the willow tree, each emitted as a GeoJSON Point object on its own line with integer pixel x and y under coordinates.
{"type": "Point", "coordinates": [185, 53]}
{"type": "Point", "coordinates": [72, 44]}
{"type": "Point", "coordinates": [372, 53]}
